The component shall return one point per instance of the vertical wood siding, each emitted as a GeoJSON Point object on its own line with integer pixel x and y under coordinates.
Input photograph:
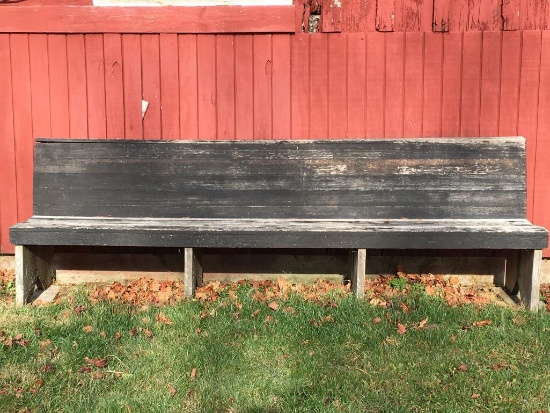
{"type": "Point", "coordinates": [271, 86]}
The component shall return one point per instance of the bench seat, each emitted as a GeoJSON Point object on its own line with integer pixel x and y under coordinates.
{"type": "Point", "coordinates": [283, 233]}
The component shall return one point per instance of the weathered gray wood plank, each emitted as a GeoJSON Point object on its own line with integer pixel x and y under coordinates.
{"type": "Point", "coordinates": [359, 262]}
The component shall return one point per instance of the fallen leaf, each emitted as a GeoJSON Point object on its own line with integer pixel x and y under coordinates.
{"type": "Point", "coordinates": [193, 375]}
{"type": "Point", "coordinates": [18, 337]}
{"type": "Point", "coordinates": [406, 309]}
{"type": "Point", "coordinates": [273, 305]}
{"type": "Point", "coordinates": [117, 336]}
{"type": "Point", "coordinates": [45, 343]}
{"type": "Point", "coordinates": [376, 320]}
{"type": "Point", "coordinates": [453, 280]}
{"type": "Point", "coordinates": [88, 328]}
{"type": "Point", "coordinates": [148, 333]}
{"type": "Point", "coordinates": [85, 369]}
{"type": "Point", "coordinates": [475, 395]}
{"type": "Point", "coordinates": [463, 367]}
{"type": "Point", "coordinates": [79, 309]}
{"type": "Point", "coordinates": [255, 313]}
{"type": "Point", "coordinates": [38, 383]}
{"type": "Point", "coordinates": [422, 324]}
{"type": "Point", "coordinates": [401, 328]}
{"type": "Point", "coordinates": [47, 368]}
{"type": "Point", "coordinates": [96, 362]}
{"type": "Point", "coordinates": [482, 323]}
{"type": "Point", "coordinates": [268, 319]}
{"type": "Point", "coordinates": [172, 389]}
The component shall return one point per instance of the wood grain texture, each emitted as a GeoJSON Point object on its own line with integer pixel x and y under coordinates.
{"type": "Point", "coordinates": [394, 88]}
{"type": "Point", "coordinates": [433, 86]}
{"type": "Point", "coordinates": [413, 84]}
{"type": "Point", "coordinates": [150, 83]}
{"type": "Point", "coordinates": [376, 80]}
{"type": "Point", "coordinates": [281, 86]}
{"type": "Point", "coordinates": [528, 105]}
{"type": "Point", "coordinates": [131, 75]}
{"type": "Point", "coordinates": [114, 87]}
{"type": "Point", "coordinates": [169, 86]}
{"type": "Point", "coordinates": [509, 83]}
{"type": "Point", "coordinates": [93, 19]}
{"type": "Point", "coordinates": [300, 86]}
{"type": "Point", "coordinates": [285, 233]}
{"type": "Point", "coordinates": [95, 81]}
{"type": "Point", "coordinates": [244, 87]}
{"type": "Point", "coordinates": [318, 87]}
{"type": "Point", "coordinates": [356, 85]}
{"type": "Point", "coordinates": [40, 80]}
{"type": "Point", "coordinates": [22, 114]}
{"type": "Point", "coordinates": [490, 84]}
{"type": "Point", "coordinates": [225, 86]}
{"type": "Point", "coordinates": [78, 101]}
{"type": "Point", "coordinates": [59, 85]}
{"type": "Point", "coordinates": [206, 87]}
{"type": "Point", "coordinates": [452, 84]}
{"type": "Point", "coordinates": [471, 84]}
{"type": "Point", "coordinates": [315, 179]}
{"type": "Point", "coordinates": [8, 186]}
{"type": "Point", "coordinates": [542, 166]}
{"type": "Point", "coordinates": [188, 86]}
{"type": "Point", "coordinates": [263, 75]}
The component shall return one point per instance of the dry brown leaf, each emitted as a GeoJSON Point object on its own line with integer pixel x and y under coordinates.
{"type": "Point", "coordinates": [401, 328]}
{"type": "Point", "coordinates": [475, 395]}
{"type": "Point", "coordinates": [463, 367]}
{"type": "Point", "coordinates": [193, 375]}
{"type": "Point", "coordinates": [376, 320]}
{"type": "Point", "coordinates": [406, 309]}
{"type": "Point", "coordinates": [422, 324]}
{"type": "Point", "coordinates": [148, 333]}
{"type": "Point", "coordinates": [482, 323]}
{"type": "Point", "coordinates": [273, 305]}
{"type": "Point", "coordinates": [88, 328]}
{"type": "Point", "coordinates": [453, 280]}
{"type": "Point", "coordinates": [172, 389]}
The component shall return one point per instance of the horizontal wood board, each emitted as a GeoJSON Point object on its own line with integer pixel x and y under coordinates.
{"type": "Point", "coordinates": [282, 233]}
{"type": "Point", "coordinates": [420, 178]}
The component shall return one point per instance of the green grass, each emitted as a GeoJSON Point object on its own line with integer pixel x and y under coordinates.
{"type": "Point", "coordinates": [304, 357]}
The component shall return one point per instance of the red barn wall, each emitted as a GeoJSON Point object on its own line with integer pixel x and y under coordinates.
{"type": "Point", "coordinates": [480, 79]}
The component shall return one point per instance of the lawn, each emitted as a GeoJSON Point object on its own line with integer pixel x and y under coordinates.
{"type": "Point", "coordinates": [273, 347]}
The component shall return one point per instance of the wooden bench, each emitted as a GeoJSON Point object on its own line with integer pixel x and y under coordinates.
{"type": "Point", "coordinates": [465, 194]}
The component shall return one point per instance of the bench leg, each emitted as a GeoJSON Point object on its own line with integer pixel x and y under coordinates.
{"type": "Point", "coordinates": [529, 278]}
{"type": "Point", "coordinates": [33, 269]}
{"type": "Point", "coordinates": [523, 276]}
{"type": "Point", "coordinates": [358, 266]}
{"type": "Point", "coordinates": [193, 272]}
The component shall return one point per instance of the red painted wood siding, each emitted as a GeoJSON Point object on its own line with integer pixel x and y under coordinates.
{"type": "Point", "coordinates": [271, 86]}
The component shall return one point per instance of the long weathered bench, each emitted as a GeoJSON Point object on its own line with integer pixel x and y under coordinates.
{"type": "Point", "coordinates": [465, 194]}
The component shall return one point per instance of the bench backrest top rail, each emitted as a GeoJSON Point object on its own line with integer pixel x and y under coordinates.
{"type": "Point", "coordinates": [437, 178]}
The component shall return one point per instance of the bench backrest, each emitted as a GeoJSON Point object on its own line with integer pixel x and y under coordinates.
{"type": "Point", "coordinates": [404, 178]}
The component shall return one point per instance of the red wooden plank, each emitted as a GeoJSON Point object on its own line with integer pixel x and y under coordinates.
{"type": "Point", "coordinates": [356, 84]}
{"type": "Point", "coordinates": [471, 84]}
{"type": "Point", "coordinates": [490, 84]}
{"type": "Point", "coordinates": [510, 14]}
{"type": "Point", "coordinates": [93, 19]}
{"type": "Point", "coordinates": [509, 83]}
{"type": "Point", "coordinates": [244, 87]}
{"type": "Point", "coordinates": [376, 71]}
{"type": "Point", "coordinates": [169, 86]}
{"type": "Point", "coordinates": [206, 69]}
{"type": "Point", "coordinates": [442, 16]}
{"type": "Point", "coordinates": [528, 105]}
{"type": "Point", "coordinates": [531, 13]}
{"type": "Point", "coordinates": [414, 85]}
{"type": "Point", "coordinates": [318, 83]}
{"type": "Point", "coordinates": [150, 77]}
{"type": "Point", "coordinates": [395, 79]}
{"type": "Point", "coordinates": [460, 15]}
{"type": "Point", "coordinates": [331, 16]}
{"type": "Point", "coordinates": [40, 85]}
{"type": "Point", "coordinates": [358, 16]}
{"type": "Point", "coordinates": [22, 113]}
{"type": "Point", "coordinates": [433, 69]}
{"type": "Point", "coordinates": [189, 127]}
{"type": "Point", "coordinates": [59, 85]}
{"type": "Point", "coordinates": [541, 204]}
{"type": "Point", "coordinates": [95, 79]}
{"type": "Point", "coordinates": [76, 69]}
{"type": "Point", "coordinates": [487, 17]}
{"type": "Point", "coordinates": [300, 86]}
{"type": "Point", "coordinates": [225, 85]}
{"type": "Point", "coordinates": [281, 86]}
{"type": "Point", "coordinates": [452, 79]}
{"type": "Point", "coordinates": [263, 71]}
{"type": "Point", "coordinates": [337, 87]}
{"type": "Point", "coordinates": [8, 188]}
{"type": "Point", "coordinates": [410, 16]}
{"type": "Point", "coordinates": [385, 15]}
{"type": "Point", "coordinates": [114, 88]}
{"type": "Point", "coordinates": [131, 75]}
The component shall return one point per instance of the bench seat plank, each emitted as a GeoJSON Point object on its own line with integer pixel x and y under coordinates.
{"type": "Point", "coordinates": [282, 233]}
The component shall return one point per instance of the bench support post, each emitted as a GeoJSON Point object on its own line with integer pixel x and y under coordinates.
{"type": "Point", "coordinates": [523, 276]}
{"type": "Point", "coordinates": [193, 272]}
{"type": "Point", "coordinates": [33, 269]}
{"type": "Point", "coordinates": [358, 267]}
